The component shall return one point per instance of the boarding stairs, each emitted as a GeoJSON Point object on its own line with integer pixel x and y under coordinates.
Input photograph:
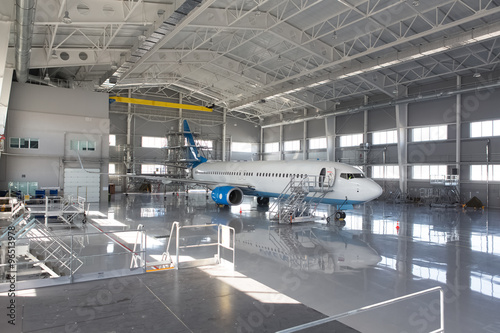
{"type": "Point", "coordinates": [299, 244]}
{"type": "Point", "coordinates": [42, 247]}
{"type": "Point", "coordinates": [300, 199]}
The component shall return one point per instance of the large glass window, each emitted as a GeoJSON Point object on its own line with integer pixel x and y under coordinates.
{"type": "Point", "coordinates": [431, 133]}
{"type": "Point", "coordinates": [242, 147]}
{"type": "Point", "coordinates": [204, 144]}
{"type": "Point", "coordinates": [83, 145]}
{"type": "Point", "coordinates": [153, 169]}
{"type": "Point", "coordinates": [484, 128]}
{"type": "Point", "coordinates": [428, 171]}
{"type": "Point", "coordinates": [112, 140]}
{"type": "Point", "coordinates": [317, 143]}
{"type": "Point", "coordinates": [291, 145]}
{"type": "Point", "coordinates": [384, 137]}
{"type": "Point", "coordinates": [351, 140]}
{"type": "Point", "coordinates": [272, 147]}
{"type": "Point", "coordinates": [482, 172]}
{"type": "Point", "coordinates": [385, 171]}
{"type": "Point", "coordinates": [24, 143]}
{"type": "Point", "coordinates": [153, 142]}
{"type": "Point", "coordinates": [112, 168]}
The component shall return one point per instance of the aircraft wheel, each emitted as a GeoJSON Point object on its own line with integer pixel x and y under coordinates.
{"type": "Point", "coordinates": [343, 215]}
{"type": "Point", "coordinates": [338, 215]}
{"type": "Point", "coordinates": [340, 223]}
{"type": "Point", "coordinates": [262, 201]}
{"type": "Point", "coordinates": [328, 220]}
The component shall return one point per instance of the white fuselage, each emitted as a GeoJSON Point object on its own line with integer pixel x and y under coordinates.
{"type": "Point", "coordinates": [269, 178]}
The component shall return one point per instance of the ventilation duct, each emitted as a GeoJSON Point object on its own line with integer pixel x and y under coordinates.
{"type": "Point", "coordinates": [25, 14]}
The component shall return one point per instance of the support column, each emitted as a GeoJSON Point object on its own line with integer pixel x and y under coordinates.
{"type": "Point", "coordinates": [331, 139]}
{"type": "Point", "coordinates": [458, 141]}
{"type": "Point", "coordinates": [261, 144]}
{"type": "Point", "coordinates": [327, 136]}
{"type": "Point", "coordinates": [6, 71]}
{"type": "Point", "coordinates": [402, 125]}
{"type": "Point", "coordinates": [181, 120]}
{"type": "Point", "coordinates": [282, 153]}
{"type": "Point", "coordinates": [224, 129]}
{"type": "Point", "coordinates": [365, 137]}
{"type": "Point", "coordinates": [128, 162]}
{"type": "Point", "coordinates": [304, 148]}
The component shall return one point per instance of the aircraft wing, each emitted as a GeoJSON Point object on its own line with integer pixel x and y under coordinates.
{"type": "Point", "coordinates": [170, 180]}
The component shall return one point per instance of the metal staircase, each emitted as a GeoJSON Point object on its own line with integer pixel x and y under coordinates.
{"type": "Point", "coordinates": [43, 248]}
{"type": "Point", "coordinates": [300, 199]}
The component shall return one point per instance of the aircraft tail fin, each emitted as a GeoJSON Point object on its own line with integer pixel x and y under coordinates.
{"type": "Point", "coordinates": [194, 157]}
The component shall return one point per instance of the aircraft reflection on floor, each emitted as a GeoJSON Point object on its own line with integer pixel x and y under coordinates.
{"type": "Point", "coordinates": [308, 246]}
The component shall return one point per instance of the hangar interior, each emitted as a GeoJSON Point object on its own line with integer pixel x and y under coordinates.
{"type": "Point", "coordinates": [406, 91]}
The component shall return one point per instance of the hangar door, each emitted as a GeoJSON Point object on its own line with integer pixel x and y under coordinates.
{"type": "Point", "coordinates": [78, 182]}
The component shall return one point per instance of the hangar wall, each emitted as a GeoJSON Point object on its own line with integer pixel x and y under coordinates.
{"type": "Point", "coordinates": [477, 106]}
{"type": "Point", "coordinates": [163, 122]}
{"type": "Point", "coordinates": [55, 117]}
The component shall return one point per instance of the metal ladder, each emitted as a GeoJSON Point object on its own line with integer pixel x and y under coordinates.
{"type": "Point", "coordinates": [294, 204]}
{"type": "Point", "coordinates": [51, 248]}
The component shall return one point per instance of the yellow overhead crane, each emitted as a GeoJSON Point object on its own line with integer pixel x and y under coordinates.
{"type": "Point", "coordinates": [160, 104]}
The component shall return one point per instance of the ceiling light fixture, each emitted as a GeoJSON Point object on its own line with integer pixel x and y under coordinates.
{"type": "Point", "coordinates": [279, 57]}
{"type": "Point", "coordinates": [334, 36]}
{"type": "Point", "coordinates": [415, 3]}
{"type": "Point", "coordinates": [53, 54]}
{"type": "Point", "coordinates": [476, 75]}
{"type": "Point", "coordinates": [66, 19]}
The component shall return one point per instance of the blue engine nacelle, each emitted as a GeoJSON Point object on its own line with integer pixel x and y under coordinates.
{"type": "Point", "coordinates": [227, 195]}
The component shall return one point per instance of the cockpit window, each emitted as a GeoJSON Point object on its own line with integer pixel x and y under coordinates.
{"type": "Point", "coordinates": [351, 175]}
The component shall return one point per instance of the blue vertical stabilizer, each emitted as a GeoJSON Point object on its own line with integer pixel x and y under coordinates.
{"type": "Point", "coordinates": [193, 157]}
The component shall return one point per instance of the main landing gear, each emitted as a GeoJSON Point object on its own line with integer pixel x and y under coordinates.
{"type": "Point", "coordinates": [262, 201]}
{"type": "Point", "coordinates": [339, 218]}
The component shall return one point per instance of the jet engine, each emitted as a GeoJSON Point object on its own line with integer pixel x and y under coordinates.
{"type": "Point", "coordinates": [227, 195]}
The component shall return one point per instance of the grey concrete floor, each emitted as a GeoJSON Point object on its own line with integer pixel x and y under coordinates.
{"type": "Point", "coordinates": [384, 251]}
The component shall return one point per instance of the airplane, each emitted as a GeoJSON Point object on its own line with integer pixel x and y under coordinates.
{"type": "Point", "coordinates": [312, 247]}
{"type": "Point", "coordinates": [230, 181]}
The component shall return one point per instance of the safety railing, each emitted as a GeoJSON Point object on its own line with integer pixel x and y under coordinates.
{"type": "Point", "coordinates": [375, 306]}
{"type": "Point", "coordinates": [36, 259]}
{"type": "Point", "coordinates": [201, 237]}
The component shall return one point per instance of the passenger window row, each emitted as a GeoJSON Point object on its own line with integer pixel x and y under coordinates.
{"type": "Point", "coordinates": [258, 174]}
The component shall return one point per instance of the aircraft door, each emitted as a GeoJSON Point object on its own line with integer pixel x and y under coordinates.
{"type": "Point", "coordinates": [321, 179]}
{"type": "Point", "coordinates": [330, 177]}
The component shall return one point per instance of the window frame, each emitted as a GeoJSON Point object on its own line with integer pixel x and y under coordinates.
{"type": "Point", "coordinates": [24, 143]}
{"type": "Point", "coordinates": [318, 143]}
{"type": "Point", "coordinates": [428, 133]}
{"type": "Point", "coordinates": [153, 142]}
{"type": "Point", "coordinates": [349, 139]}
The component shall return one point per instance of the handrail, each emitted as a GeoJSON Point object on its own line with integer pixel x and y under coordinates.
{"type": "Point", "coordinates": [176, 228]}
{"type": "Point", "coordinates": [374, 306]}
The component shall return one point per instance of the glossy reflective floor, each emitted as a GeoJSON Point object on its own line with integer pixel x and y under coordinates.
{"type": "Point", "coordinates": [384, 251]}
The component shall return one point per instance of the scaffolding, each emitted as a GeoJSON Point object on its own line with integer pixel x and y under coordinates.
{"type": "Point", "coordinates": [444, 192]}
